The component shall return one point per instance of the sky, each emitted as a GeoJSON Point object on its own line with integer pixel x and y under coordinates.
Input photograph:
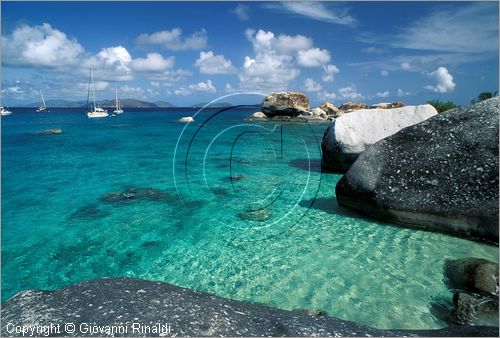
{"type": "Point", "coordinates": [191, 52]}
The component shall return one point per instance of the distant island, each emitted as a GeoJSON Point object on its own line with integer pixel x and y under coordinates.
{"type": "Point", "coordinates": [126, 103]}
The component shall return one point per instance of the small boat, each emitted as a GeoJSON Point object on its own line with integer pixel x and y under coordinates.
{"type": "Point", "coordinates": [96, 111]}
{"type": "Point", "coordinates": [42, 108]}
{"type": "Point", "coordinates": [118, 109]}
{"type": "Point", "coordinates": [5, 112]}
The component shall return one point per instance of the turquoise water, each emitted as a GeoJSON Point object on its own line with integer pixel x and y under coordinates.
{"type": "Point", "coordinates": [105, 198]}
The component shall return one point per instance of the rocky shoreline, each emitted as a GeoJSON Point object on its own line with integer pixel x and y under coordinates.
{"type": "Point", "coordinates": [96, 306]}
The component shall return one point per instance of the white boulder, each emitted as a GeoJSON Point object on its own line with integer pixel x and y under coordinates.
{"type": "Point", "coordinates": [350, 134]}
{"type": "Point", "coordinates": [186, 119]}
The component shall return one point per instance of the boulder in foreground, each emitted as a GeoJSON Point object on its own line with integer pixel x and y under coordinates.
{"type": "Point", "coordinates": [350, 134]}
{"type": "Point", "coordinates": [441, 174]}
{"type": "Point", "coordinates": [124, 301]}
{"type": "Point", "coordinates": [285, 104]}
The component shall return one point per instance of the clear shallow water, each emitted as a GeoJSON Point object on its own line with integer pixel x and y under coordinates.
{"type": "Point", "coordinates": [65, 218]}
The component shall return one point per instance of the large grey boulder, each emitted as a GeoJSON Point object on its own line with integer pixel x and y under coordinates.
{"type": "Point", "coordinates": [285, 104]}
{"type": "Point", "coordinates": [350, 134]}
{"type": "Point", "coordinates": [134, 305]}
{"type": "Point", "coordinates": [441, 174]}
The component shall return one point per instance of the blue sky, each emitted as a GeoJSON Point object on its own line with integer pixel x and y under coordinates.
{"type": "Point", "coordinates": [190, 52]}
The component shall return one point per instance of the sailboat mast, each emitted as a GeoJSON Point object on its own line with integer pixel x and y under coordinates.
{"type": "Point", "coordinates": [93, 89]}
{"type": "Point", "coordinates": [116, 99]}
{"type": "Point", "coordinates": [41, 98]}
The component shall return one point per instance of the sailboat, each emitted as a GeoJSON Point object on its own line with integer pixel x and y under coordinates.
{"type": "Point", "coordinates": [4, 111]}
{"type": "Point", "coordinates": [118, 108]}
{"type": "Point", "coordinates": [42, 108]}
{"type": "Point", "coordinates": [96, 111]}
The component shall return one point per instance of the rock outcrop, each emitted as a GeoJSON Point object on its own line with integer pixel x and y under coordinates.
{"type": "Point", "coordinates": [351, 106]}
{"type": "Point", "coordinates": [285, 104]}
{"type": "Point", "coordinates": [350, 134]}
{"type": "Point", "coordinates": [331, 109]}
{"type": "Point", "coordinates": [175, 311]}
{"type": "Point", "coordinates": [441, 174]}
{"type": "Point", "coordinates": [388, 105]}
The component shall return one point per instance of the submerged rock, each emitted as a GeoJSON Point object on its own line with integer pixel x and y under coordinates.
{"type": "Point", "coordinates": [50, 131]}
{"type": "Point", "coordinates": [441, 174]}
{"type": "Point", "coordinates": [123, 301]}
{"type": "Point", "coordinates": [475, 309]}
{"type": "Point", "coordinates": [285, 104]}
{"type": "Point", "coordinates": [349, 135]}
{"type": "Point", "coordinates": [137, 193]}
{"type": "Point", "coordinates": [472, 274]}
{"type": "Point", "coordinates": [260, 215]}
{"type": "Point", "coordinates": [186, 119]}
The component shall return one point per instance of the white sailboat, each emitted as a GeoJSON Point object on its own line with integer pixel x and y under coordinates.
{"type": "Point", "coordinates": [4, 111]}
{"type": "Point", "coordinates": [118, 108]}
{"type": "Point", "coordinates": [96, 111]}
{"type": "Point", "coordinates": [42, 108]}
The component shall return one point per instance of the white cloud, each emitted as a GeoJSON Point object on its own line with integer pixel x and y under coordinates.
{"type": "Point", "coordinates": [241, 11]}
{"type": "Point", "coordinates": [444, 81]}
{"type": "Point", "coordinates": [131, 90]}
{"type": "Point", "coordinates": [350, 92]}
{"type": "Point", "coordinates": [325, 96]}
{"type": "Point", "coordinates": [383, 94]}
{"type": "Point", "coordinates": [182, 92]}
{"type": "Point", "coordinates": [209, 63]}
{"type": "Point", "coordinates": [153, 62]}
{"type": "Point", "coordinates": [229, 88]}
{"type": "Point", "coordinates": [312, 86]}
{"type": "Point", "coordinates": [287, 44]}
{"type": "Point", "coordinates": [277, 60]}
{"type": "Point", "coordinates": [206, 87]}
{"type": "Point", "coordinates": [384, 72]}
{"type": "Point", "coordinates": [403, 93]}
{"type": "Point", "coordinates": [405, 66]}
{"type": "Point", "coordinates": [155, 84]}
{"type": "Point", "coordinates": [318, 11]}
{"type": "Point", "coordinates": [170, 76]}
{"type": "Point", "coordinates": [329, 71]}
{"type": "Point", "coordinates": [313, 57]}
{"type": "Point", "coordinates": [270, 69]}
{"type": "Point", "coordinates": [469, 28]}
{"type": "Point", "coordinates": [152, 92]}
{"type": "Point", "coordinates": [40, 46]}
{"type": "Point", "coordinates": [373, 50]}
{"type": "Point", "coordinates": [112, 63]}
{"type": "Point", "coordinates": [173, 40]}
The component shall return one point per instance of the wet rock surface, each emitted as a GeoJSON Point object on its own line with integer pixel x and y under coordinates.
{"type": "Point", "coordinates": [440, 175]}
{"type": "Point", "coordinates": [124, 301]}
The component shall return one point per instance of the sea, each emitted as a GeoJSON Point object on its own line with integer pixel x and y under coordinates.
{"type": "Point", "coordinates": [238, 209]}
